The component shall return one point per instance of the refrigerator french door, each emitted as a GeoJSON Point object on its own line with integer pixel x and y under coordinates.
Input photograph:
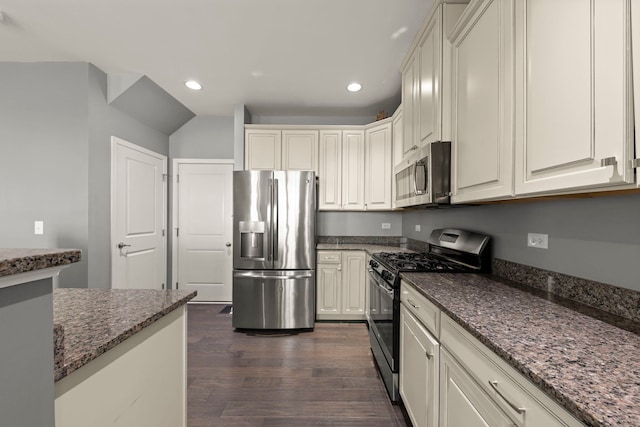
{"type": "Point", "coordinates": [274, 220]}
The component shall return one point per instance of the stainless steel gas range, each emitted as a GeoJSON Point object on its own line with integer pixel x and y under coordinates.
{"type": "Point", "coordinates": [450, 251]}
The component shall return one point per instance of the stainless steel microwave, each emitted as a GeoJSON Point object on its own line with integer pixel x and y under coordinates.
{"type": "Point", "coordinates": [424, 178]}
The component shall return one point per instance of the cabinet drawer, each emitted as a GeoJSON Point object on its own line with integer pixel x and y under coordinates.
{"type": "Point", "coordinates": [326, 257]}
{"type": "Point", "coordinates": [421, 307]}
{"type": "Point", "coordinates": [509, 389]}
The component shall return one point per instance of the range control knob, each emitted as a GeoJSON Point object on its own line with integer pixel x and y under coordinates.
{"type": "Point", "coordinates": [386, 275]}
{"type": "Point", "coordinates": [373, 264]}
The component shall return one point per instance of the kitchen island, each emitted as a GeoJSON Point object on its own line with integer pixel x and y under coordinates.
{"type": "Point", "coordinates": [122, 357]}
{"type": "Point", "coordinates": [586, 364]}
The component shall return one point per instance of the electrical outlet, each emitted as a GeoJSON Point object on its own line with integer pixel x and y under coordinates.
{"type": "Point", "coordinates": [38, 227]}
{"type": "Point", "coordinates": [536, 240]}
{"type": "Point", "coordinates": [417, 227]}
{"type": "Point", "coordinates": [386, 225]}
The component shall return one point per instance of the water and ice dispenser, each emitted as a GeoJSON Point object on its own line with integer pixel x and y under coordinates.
{"type": "Point", "coordinates": [251, 239]}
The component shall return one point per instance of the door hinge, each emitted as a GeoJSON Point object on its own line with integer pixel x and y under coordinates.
{"type": "Point", "coordinates": [177, 178]}
{"type": "Point", "coordinates": [177, 232]}
{"type": "Point", "coordinates": [163, 232]}
{"type": "Point", "coordinates": [164, 177]}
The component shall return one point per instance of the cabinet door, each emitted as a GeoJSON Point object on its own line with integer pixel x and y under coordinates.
{"type": "Point", "coordinates": [330, 171]}
{"type": "Point", "coordinates": [635, 44]}
{"type": "Point", "coordinates": [329, 284]}
{"type": "Point", "coordinates": [397, 137]}
{"type": "Point", "coordinates": [378, 168]}
{"type": "Point", "coordinates": [419, 367]}
{"type": "Point", "coordinates": [429, 81]}
{"type": "Point", "coordinates": [410, 106]}
{"type": "Point", "coordinates": [262, 149]}
{"type": "Point", "coordinates": [300, 150]}
{"type": "Point", "coordinates": [462, 402]}
{"type": "Point", "coordinates": [353, 283]}
{"type": "Point", "coordinates": [483, 102]}
{"type": "Point", "coordinates": [574, 97]}
{"type": "Point", "coordinates": [353, 170]}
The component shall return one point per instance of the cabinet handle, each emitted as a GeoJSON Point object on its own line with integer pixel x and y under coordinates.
{"type": "Point", "coordinates": [494, 386]}
{"type": "Point", "coordinates": [635, 163]}
{"type": "Point", "coordinates": [608, 161]}
{"type": "Point", "coordinates": [429, 355]}
{"type": "Point", "coordinates": [413, 304]}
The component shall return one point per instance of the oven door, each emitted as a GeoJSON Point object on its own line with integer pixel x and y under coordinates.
{"type": "Point", "coordinates": [381, 316]}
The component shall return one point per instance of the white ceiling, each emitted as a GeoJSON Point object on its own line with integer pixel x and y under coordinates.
{"type": "Point", "coordinates": [278, 57]}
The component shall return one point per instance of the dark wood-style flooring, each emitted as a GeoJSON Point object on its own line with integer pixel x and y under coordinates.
{"type": "Point", "coordinates": [321, 378]}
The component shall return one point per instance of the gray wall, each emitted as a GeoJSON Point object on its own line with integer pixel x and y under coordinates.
{"type": "Point", "coordinates": [203, 137]}
{"type": "Point", "coordinates": [26, 371]}
{"type": "Point", "coordinates": [55, 136]}
{"type": "Point", "coordinates": [43, 159]}
{"type": "Point", "coordinates": [359, 223]}
{"type": "Point", "coordinates": [309, 120]}
{"type": "Point", "coordinates": [593, 238]}
{"type": "Point", "coordinates": [104, 122]}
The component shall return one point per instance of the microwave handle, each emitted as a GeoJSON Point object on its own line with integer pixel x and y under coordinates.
{"type": "Point", "coordinates": [419, 165]}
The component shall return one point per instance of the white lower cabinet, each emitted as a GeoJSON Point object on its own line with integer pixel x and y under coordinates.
{"type": "Point", "coordinates": [419, 359]}
{"type": "Point", "coordinates": [462, 402]}
{"type": "Point", "coordinates": [340, 282]}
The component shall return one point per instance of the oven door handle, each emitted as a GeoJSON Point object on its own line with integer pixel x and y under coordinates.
{"type": "Point", "coordinates": [383, 286]}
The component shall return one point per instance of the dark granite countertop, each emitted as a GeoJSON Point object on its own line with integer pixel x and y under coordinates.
{"type": "Point", "coordinates": [15, 261]}
{"type": "Point", "coordinates": [89, 322]}
{"type": "Point", "coordinates": [587, 365]}
{"type": "Point", "coordinates": [367, 247]}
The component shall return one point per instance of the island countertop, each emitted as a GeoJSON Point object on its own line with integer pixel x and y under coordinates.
{"type": "Point", "coordinates": [587, 365]}
{"type": "Point", "coordinates": [90, 322]}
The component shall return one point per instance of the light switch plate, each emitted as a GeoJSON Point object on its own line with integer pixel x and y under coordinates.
{"type": "Point", "coordinates": [417, 227]}
{"type": "Point", "coordinates": [386, 225]}
{"type": "Point", "coordinates": [38, 227]}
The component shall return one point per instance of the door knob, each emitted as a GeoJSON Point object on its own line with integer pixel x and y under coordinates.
{"type": "Point", "coordinates": [122, 245]}
{"type": "Point", "coordinates": [228, 244]}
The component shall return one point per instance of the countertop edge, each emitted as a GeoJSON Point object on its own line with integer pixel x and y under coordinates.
{"type": "Point", "coordinates": [16, 261]}
{"type": "Point", "coordinates": [76, 363]}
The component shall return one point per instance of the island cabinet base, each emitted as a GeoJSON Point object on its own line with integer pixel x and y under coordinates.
{"type": "Point", "coordinates": [141, 382]}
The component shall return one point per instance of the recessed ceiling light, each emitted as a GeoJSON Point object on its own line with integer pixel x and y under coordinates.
{"type": "Point", "coordinates": [193, 85]}
{"type": "Point", "coordinates": [354, 87]}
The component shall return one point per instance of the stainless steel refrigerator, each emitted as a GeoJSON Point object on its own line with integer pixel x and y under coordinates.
{"type": "Point", "coordinates": [274, 255]}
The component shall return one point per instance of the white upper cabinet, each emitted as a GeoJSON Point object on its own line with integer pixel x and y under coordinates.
{"type": "Point", "coordinates": [482, 138]}
{"type": "Point", "coordinates": [291, 149]}
{"type": "Point", "coordinates": [429, 52]}
{"type": "Point", "coordinates": [410, 89]}
{"type": "Point", "coordinates": [635, 45]}
{"type": "Point", "coordinates": [426, 82]}
{"type": "Point", "coordinates": [341, 175]}
{"type": "Point", "coordinates": [300, 150]}
{"type": "Point", "coordinates": [574, 97]}
{"type": "Point", "coordinates": [263, 149]}
{"type": "Point", "coordinates": [378, 173]}
{"type": "Point", "coordinates": [353, 170]}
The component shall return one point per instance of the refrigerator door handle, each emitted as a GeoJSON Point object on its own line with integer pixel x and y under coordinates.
{"type": "Point", "coordinates": [270, 221]}
{"type": "Point", "coordinates": [274, 228]}
{"type": "Point", "coordinates": [255, 275]}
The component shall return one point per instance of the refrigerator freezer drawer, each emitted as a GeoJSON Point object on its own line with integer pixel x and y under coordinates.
{"type": "Point", "coordinates": [274, 299]}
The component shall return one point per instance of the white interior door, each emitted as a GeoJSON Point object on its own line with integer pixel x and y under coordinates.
{"type": "Point", "coordinates": [138, 217]}
{"type": "Point", "coordinates": [204, 229]}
